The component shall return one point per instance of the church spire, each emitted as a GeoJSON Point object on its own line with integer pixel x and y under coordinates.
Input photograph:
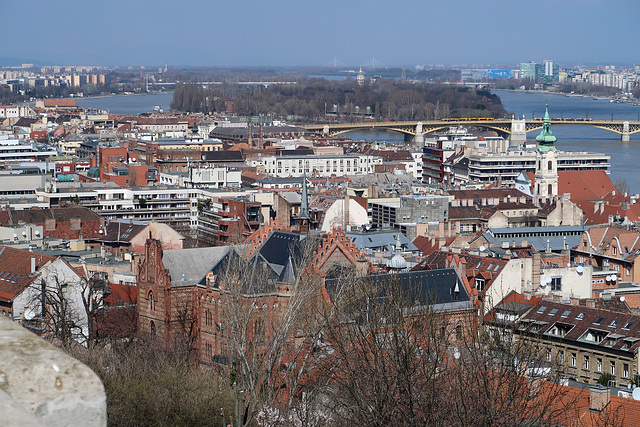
{"type": "Point", "coordinates": [546, 139]}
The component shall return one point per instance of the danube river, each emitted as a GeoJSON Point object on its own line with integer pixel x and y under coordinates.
{"type": "Point", "coordinates": [570, 138]}
{"type": "Point", "coordinates": [128, 104]}
{"type": "Point", "coordinates": [624, 155]}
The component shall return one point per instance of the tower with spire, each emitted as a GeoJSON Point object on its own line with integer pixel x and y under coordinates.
{"type": "Point", "coordinates": [304, 218]}
{"type": "Point", "coordinates": [546, 176]}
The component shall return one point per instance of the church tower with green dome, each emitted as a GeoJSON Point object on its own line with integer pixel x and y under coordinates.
{"type": "Point", "coordinates": [546, 176]}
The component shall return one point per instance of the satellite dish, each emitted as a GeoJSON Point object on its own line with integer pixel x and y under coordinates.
{"type": "Point", "coordinates": [636, 393]}
{"type": "Point", "coordinates": [608, 278]}
{"type": "Point", "coordinates": [482, 249]}
{"type": "Point", "coordinates": [614, 277]}
{"type": "Point", "coordinates": [543, 282]}
{"type": "Point", "coordinates": [580, 269]}
{"type": "Point", "coordinates": [622, 299]}
{"type": "Point", "coordinates": [29, 314]}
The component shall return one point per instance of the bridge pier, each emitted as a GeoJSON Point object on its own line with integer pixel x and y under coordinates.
{"type": "Point", "coordinates": [419, 137]}
{"type": "Point", "coordinates": [518, 132]}
{"type": "Point", "coordinates": [625, 137]}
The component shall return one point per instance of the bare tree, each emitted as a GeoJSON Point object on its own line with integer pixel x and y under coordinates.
{"type": "Point", "coordinates": [396, 357]}
{"type": "Point", "coordinates": [272, 328]}
{"type": "Point", "coordinates": [64, 305]}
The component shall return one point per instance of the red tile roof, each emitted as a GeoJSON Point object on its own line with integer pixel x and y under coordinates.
{"type": "Point", "coordinates": [15, 270]}
{"type": "Point", "coordinates": [68, 103]}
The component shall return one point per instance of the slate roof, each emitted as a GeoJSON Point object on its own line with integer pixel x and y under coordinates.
{"type": "Point", "coordinates": [537, 237]}
{"type": "Point", "coordinates": [277, 249]}
{"type": "Point", "coordinates": [219, 156]}
{"type": "Point", "coordinates": [190, 266]}
{"type": "Point", "coordinates": [381, 240]}
{"type": "Point", "coordinates": [123, 231]}
{"type": "Point", "coordinates": [441, 289]}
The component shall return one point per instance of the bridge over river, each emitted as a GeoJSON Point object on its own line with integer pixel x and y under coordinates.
{"type": "Point", "coordinates": [514, 128]}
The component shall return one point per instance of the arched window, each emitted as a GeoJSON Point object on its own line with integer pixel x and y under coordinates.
{"type": "Point", "coordinates": [549, 165]}
{"type": "Point", "coordinates": [152, 301]}
{"type": "Point", "coordinates": [550, 189]}
{"type": "Point", "coordinates": [459, 332]}
{"type": "Point", "coordinates": [153, 329]}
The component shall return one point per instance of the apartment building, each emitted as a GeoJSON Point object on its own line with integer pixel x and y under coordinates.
{"type": "Point", "coordinates": [321, 166]}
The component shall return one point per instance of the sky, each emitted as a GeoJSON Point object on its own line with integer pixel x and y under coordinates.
{"type": "Point", "coordinates": [314, 33]}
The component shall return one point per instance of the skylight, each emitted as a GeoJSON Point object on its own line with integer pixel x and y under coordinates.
{"type": "Point", "coordinates": [553, 311]}
{"type": "Point", "coordinates": [581, 316]}
{"type": "Point", "coordinates": [598, 320]}
{"type": "Point", "coordinates": [566, 313]}
{"type": "Point", "coordinates": [614, 324]}
{"type": "Point", "coordinates": [542, 309]}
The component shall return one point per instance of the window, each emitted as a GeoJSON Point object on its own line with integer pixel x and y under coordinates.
{"type": "Point", "coordinates": [614, 324]}
{"type": "Point", "coordinates": [542, 309]}
{"type": "Point", "coordinates": [459, 332]}
{"type": "Point", "coordinates": [573, 360]}
{"type": "Point", "coordinates": [566, 313]}
{"type": "Point", "coordinates": [613, 368]}
{"type": "Point", "coordinates": [556, 283]}
{"type": "Point", "coordinates": [561, 357]}
{"type": "Point", "coordinates": [581, 316]}
{"type": "Point", "coordinates": [553, 311]}
{"type": "Point", "coordinates": [627, 325]}
{"type": "Point", "coordinates": [614, 249]}
{"type": "Point", "coordinates": [628, 271]}
{"type": "Point", "coordinates": [625, 370]}
{"type": "Point", "coordinates": [152, 301]}
{"type": "Point", "coordinates": [599, 365]}
{"type": "Point", "coordinates": [598, 320]}
{"type": "Point", "coordinates": [480, 285]}
{"type": "Point", "coordinates": [548, 355]}
{"type": "Point", "coordinates": [586, 362]}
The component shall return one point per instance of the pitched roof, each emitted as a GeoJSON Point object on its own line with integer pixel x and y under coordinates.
{"type": "Point", "coordinates": [441, 289]}
{"type": "Point", "coordinates": [67, 103]}
{"type": "Point", "coordinates": [617, 328]}
{"type": "Point", "coordinates": [15, 270]}
{"type": "Point", "coordinates": [192, 265]}
{"type": "Point", "coordinates": [588, 185]}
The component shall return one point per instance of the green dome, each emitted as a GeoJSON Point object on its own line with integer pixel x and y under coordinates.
{"type": "Point", "coordinates": [546, 139]}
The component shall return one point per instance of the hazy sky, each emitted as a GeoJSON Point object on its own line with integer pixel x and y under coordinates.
{"type": "Point", "coordinates": [304, 32]}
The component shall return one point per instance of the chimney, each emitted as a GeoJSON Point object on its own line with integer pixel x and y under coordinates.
{"type": "Point", "coordinates": [591, 303]}
{"type": "Point", "coordinates": [250, 137]}
{"type": "Point", "coordinates": [33, 265]}
{"type": "Point", "coordinates": [598, 398]}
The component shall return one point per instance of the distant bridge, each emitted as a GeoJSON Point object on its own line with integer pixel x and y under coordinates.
{"type": "Point", "coordinates": [504, 127]}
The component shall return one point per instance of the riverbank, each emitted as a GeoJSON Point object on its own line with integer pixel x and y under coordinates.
{"type": "Point", "coordinates": [615, 98]}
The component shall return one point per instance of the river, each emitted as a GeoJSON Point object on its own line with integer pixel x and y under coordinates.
{"type": "Point", "coordinates": [570, 138]}
{"type": "Point", "coordinates": [128, 104]}
{"type": "Point", "coordinates": [624, 155]}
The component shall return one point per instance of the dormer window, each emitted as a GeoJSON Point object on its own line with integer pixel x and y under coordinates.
{"type": "Point", "coordinates": [594, 336]}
